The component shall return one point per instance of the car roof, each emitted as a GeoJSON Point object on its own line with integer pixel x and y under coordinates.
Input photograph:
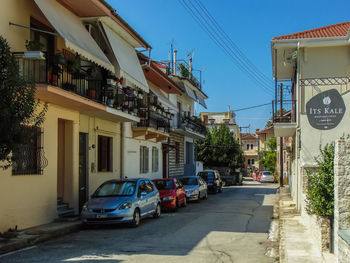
{"type": "Point", "coordinates": [190, 176]}
{"type": "Point", "coordinates": [125, 180]}
{"type": "Point", "coordinates": [209, 171]}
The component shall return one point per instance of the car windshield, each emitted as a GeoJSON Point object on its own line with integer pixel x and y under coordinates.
{"type": "Point", "coordinates": [266, 173]}
{"type": "Point", "coordinates": [164, 184]}
{"type": "Point", "coordinates": [116, 189]}
{"type": "Point", "coordinates": [207, 176]}
{"type": "Point", "coordinates": [189, 181]}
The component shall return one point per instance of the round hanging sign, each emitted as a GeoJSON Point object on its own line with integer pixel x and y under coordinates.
{"type": "Point", "coordinates": [326, 110]}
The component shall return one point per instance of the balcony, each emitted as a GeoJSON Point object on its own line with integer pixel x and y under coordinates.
{"type": "Point", "coordinates": [80, 85]}
{"type": "Point", "coordinates": [191, 126]}
{"type": "Point", "coordinates": [284, 121]}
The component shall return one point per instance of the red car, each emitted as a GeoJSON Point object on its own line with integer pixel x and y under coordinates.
{"type": "Point", "coordinates": [172, 193]}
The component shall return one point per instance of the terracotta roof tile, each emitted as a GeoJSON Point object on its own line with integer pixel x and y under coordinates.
{"type": "Point", "coordinates": [266, 130]}
{"type": "Point", "coordinates": [336, 30]}
{"type": "Point", "coordinates": [248, 136]}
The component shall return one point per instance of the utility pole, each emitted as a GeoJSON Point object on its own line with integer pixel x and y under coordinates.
{"type": "Point", "coordinates": [281, 138]}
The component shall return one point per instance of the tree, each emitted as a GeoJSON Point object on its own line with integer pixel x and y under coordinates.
{"type": "Point", "coordinates": [220, 148]}
{"type": "Point", "coordinates": [320, 189]}
{"type": "Point", "coordinates": [18, 106]}
{"type": "Point", "coordinates": [268, 156]}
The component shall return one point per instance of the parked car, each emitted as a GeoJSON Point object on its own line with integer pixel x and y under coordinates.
{"type": "Point", "coordinates": [172, 193]}
{"type": "Point", "coordinates": [267, 177]}
{"type": "Point", "coordinates": [232, 179]}
{"type": "Point", "coordinates": [122, 201]}
{"type": "Point", "coordinates": [213, 180]}
{"type": "Point", "coordinates": [195, 187]}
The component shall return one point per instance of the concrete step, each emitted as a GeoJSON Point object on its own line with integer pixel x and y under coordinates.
{"type": "Point", "coordinates": [63, 206]}
{"type": "Point", "coordinates": [65, 212]}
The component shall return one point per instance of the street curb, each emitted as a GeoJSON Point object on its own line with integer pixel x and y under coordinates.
{"type": "Point", "coordinates": [34, 239]}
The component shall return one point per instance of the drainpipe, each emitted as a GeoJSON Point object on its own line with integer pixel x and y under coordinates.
{"type": "Point", "coordinates": [121, 150]}
{"type": "Point", "coordinates": [174, 66]}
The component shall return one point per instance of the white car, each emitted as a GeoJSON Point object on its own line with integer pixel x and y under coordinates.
{"type": "Point", "coordinates": [267, 177]}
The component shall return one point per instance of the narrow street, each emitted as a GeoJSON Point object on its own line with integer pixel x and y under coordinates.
{"type": "Point", "coordinates": [228, 227]}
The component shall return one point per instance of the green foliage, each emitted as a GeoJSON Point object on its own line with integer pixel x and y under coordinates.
{"type": "Point", "coordinates": [320, 190]}
{"type": "Point", "coordinates": [268, 156]}
{"type": "Point", "coordinates": [220, 148]}
{"type": "Point", "coordinates": [34, 45]}
{"type": "Point", "coordinates": [18, 106]}
{"type": "Point", "coordinates": [184, 70]}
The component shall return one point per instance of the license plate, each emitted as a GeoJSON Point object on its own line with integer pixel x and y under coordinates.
{"type": "Point", "coordinates": [101, 216]}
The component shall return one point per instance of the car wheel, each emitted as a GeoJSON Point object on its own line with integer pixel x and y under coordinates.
{"type": "Point", "coordinates": [184, 204]}
{"type": "Point", "coordinates": [157, 212]}
{"type": "Point", "coordinates": [136, 218]}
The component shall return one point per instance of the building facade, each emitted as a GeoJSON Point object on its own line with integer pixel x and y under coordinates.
{"type": "Point", "coordinates": [250, 144]}
{"type": "Point", "coordinates": [313, 67]}
{"type": "Point", "coordinates": [215, 119]}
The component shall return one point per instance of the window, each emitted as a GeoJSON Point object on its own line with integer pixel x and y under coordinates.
{"type": "Point", "coordinates": [143, 159]}
{"type": "Point", "coordinates": [251, 146]}
{"type": "Point", "coordinates": [248, 161]}
{"type": "Point", "coordinates": [105, 153]}
{"type": "Point", "coordinates": [247, 146]}
{"type": "Point", "coordinates": [177, 152]}
{"type": "Point", "coordinates": [253, 161]}
{"type": "Point", "coordinates": [27, 159]}
{"type": "Point", "coordinates": [155, 159]}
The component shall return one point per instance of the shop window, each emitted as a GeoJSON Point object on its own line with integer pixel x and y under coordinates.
{"type": "Point", "coordinates": [105, 154]}
{"type": "Point", "coordinates": [155, 159]}
{"type": "Point", "coordinates": [143, 159]}
{"type": "Point", "coordinates": [29, 158]}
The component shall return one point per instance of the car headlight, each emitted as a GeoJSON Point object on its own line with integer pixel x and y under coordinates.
{"type": "Point", "coordinates": [168, 198]}
{"type": "Point", "coordinates": [85, 207]}
{"type": "Point", "coordinates": [193, 192]}
{"type": "Point", "coordinates": [125, 205]}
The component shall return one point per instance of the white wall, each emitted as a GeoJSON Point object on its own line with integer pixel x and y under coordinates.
{"type": "Point", "coordinates": [131, 157]}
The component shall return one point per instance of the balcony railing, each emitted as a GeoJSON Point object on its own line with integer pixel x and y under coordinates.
{"type": "Point", "coordinates": [154, 119]}
{"type": "Point", "coordinates": [288, 114]}
{"type": "Point", "coordinates": [193, 124]}
{"type": "Point", "coordinates": [89, 81]}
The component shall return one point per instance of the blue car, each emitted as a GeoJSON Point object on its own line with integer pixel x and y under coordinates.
{"type": "Point", "coordinates": [122, 201]}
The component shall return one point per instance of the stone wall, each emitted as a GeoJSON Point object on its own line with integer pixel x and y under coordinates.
{"type": "Point", "coordinates": [341, 198]}
{"type": "Point", "coordinates": [343, 250]}
{"type": "Point", "coordinates": [176, 167]}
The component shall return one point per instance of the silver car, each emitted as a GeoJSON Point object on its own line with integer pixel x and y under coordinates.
{"type": "Point", "coordinates": [195, 187]}
{"type": "Point", "coordinates": [267, 177]}
{"type": "Point", "coordinates": [122, 201]}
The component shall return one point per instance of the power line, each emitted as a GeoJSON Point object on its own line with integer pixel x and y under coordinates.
{"type": "Point", "coordinates": [252, 107]}
{"type": "Point", "coordinates": [235, 47]}
{"type": "Point", "coordinates": [215, 36]}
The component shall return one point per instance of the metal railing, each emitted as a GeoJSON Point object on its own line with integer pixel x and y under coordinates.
{"type": "Point", "coordinates": [153, 119]}
{"type": "Point", "coordinates": [191, 123]}
{"type": "Point", "coordinates": [288, 114]}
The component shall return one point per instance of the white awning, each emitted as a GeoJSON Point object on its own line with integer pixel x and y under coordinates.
{"type": "Point", "coordinates": [75, 35]}
{"type": "Point", "coordinates": [201, 101]}
{"type": "Point", "coordinates": [126, 56]}
{"type": "Point", "coordinates": [190, 93]}
{"type": "Point", "coordinates": [164, 100]}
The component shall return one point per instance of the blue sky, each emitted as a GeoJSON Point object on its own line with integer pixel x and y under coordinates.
{"type": "Point", "coordinates": [251, 24]}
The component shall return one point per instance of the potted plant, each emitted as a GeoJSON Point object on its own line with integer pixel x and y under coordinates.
{"type": "Point", "coordinates": [59, 58]}
{"type": "Point", "coordinates": [34, 50]}
{"type": "Point", "coordinates": [74, 63]}
{"type": "Point", "coordinates": [92, 93]}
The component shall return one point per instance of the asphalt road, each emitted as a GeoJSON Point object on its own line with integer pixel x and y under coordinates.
{"type": "Point", "coordinates": [228, 227]}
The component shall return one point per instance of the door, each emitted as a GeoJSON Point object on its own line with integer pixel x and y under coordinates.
{"type": "Point", "coordinates": [142, 199]}
{"type": "Point", "coordinates": [165, 161]}
{"type": "Point", "coordinates": [83, 169]}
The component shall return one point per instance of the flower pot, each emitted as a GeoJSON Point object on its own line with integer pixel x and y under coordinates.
{"type": "Point", "coordinates": [92, 93]}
